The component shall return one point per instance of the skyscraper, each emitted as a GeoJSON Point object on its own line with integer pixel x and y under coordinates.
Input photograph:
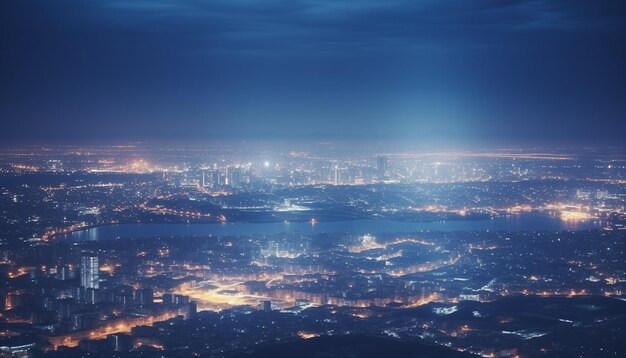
{"type": "Point", "coordinates": [89, 270]}
{"type": "Point", "coordinates": [382, 166]}
{"type": "Point", "coordinates": [234, 176]}
{"type": "Point", "coordinates": [216, 178]}
{"type": "Point", "coordinates": [267, 306]}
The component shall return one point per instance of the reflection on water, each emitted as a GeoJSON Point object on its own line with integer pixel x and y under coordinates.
{"type": "Point", "coordinates": [522, 222]}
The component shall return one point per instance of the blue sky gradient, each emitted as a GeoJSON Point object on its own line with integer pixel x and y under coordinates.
{"type": "Point", "coordinates": [519, 72]}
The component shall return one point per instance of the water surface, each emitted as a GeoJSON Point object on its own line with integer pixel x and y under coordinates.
{"type": "Point", "coordinates": [522, 222]}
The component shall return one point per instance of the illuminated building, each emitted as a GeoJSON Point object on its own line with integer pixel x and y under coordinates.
{"type": "Point", "coordinates": [602, 194]}
{"type": "Point", "coordinates": [216, 178]}
{"type": "Point", "coordinates": [84, 320]}
{"type": "Point", "coordinates": [382, 167]}
{"type": "Point", "coordinates": [121, 342]}
{"type": "Point", "coordinates": [234, 176]}
{"type": "Point", "coordinates": [144, 296]}
{"type": "Point", "coordinates": [64, 273]}
{"type": "Point", "coordinates": [193, 309]}
{"type": "Point", "coordinates": [89, 270]}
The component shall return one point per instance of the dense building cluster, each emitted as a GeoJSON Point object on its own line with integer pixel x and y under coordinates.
{"type": "Point", "coordinates": [475, 292]}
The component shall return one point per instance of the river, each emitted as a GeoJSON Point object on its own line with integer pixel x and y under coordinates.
{"type": "Point", "coordinates": [521, 222]}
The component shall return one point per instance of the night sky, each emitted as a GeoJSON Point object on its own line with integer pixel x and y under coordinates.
{"type": "Point", "coordinates": [425, 71]}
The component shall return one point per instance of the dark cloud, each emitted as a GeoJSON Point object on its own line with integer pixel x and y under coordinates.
{"type": "Point", "coordinates": [182, 68]}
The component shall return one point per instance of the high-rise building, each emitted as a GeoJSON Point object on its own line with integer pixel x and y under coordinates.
{"type": "Point", "coordinates": [382, 166]}
{"type": "Point", "coordinates": [216, 178]}
{"type": "Point", "coordinates": [144, 296]}
{"type": "Point", "coordinates": [191, 310]}
{"type": "Point", "coordinates": [84, 319]}
{"type": "Point", "coordinates": [267, 306]}
{"type": "Point", "coordinates": [168, 299]}
{"type": "Point", "coordinates": [64, 308]}
{"type": "Point", "coordinates": [234, 176]}
{"type": "Point", "coordinates": [91, 295]}
{"type": "Point", "coordinates": [336, 175]}
{"type": "Point", "coordinates": [64, 273]}
{"type": "Point", "coordinates": [89, 270]}
{"type": "Point", "coordinates": [121, 342]}
{"type": "Point", "coordinates": [181, 299]}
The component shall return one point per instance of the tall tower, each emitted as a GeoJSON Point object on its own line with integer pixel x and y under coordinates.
{"type": "Point", "coordinates": [89, 270]}
{"type": "Point", "coordinates": [267, 306]}
{"type": "Point", "coordinates": [336, 175]}
{"type": "Point", "coordinates": [234, 176]}
{"type": "Point", "coordinates": [216, 178]}
{"type": "Point", "coordinates": [382, 166]}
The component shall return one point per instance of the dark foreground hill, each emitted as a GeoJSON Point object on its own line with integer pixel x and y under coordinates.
{"type": "Point", "coordinates": [360, 346]}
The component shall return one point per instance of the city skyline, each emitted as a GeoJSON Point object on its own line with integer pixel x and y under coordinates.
{"type": "Point", "coordinates": [160, 250]}
{"type": "Point", "coordinates": [308, 178]}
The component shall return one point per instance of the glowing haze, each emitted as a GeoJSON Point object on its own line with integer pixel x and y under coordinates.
{"type": "Point", "coordinates": [480, 71]}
